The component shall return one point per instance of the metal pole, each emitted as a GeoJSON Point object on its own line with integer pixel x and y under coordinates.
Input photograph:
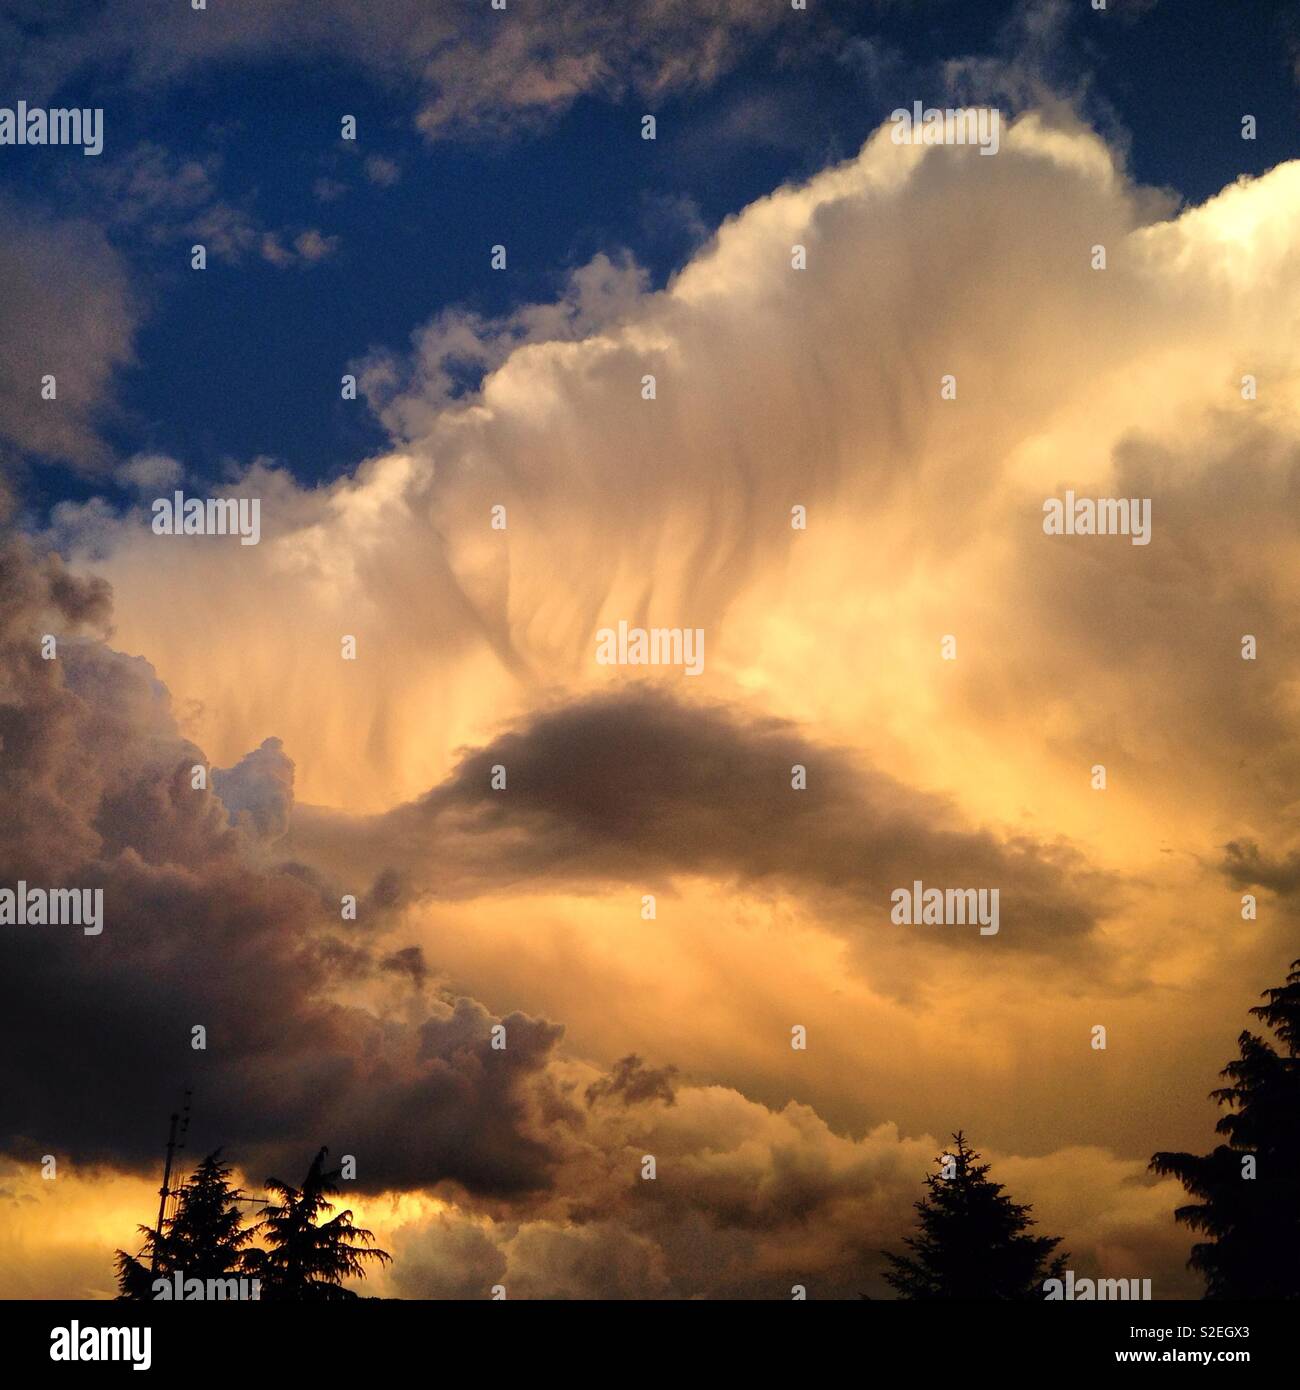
{"type": "Point", "coordinates": [163, 1191]}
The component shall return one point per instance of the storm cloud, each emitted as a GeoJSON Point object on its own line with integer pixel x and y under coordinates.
{"type": "Point", "coordinates": [637, 786]}
{"type": "Point", "coordinates": [200, 932]}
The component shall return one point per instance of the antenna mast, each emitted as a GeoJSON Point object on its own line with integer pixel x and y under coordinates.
{"type": "Point", "coordinates": [165, 1190]}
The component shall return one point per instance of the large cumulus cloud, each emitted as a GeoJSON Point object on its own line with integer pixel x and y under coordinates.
{"type": "Point", "coordinates": [776, 387]}
{"type": "Point", "coordinates": [748, 1201]}
{"type": "Point", "coordinates": [779, 387]}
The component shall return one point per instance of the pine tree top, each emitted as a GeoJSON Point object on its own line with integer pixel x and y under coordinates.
{"type": "Point", "coordinates": [974, 1241]}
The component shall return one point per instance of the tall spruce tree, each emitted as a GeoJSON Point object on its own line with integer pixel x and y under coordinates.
{"type": "Point", "coordinates": [202, 1239]}
{"type": "Point", "coordinates": [1249, 1188]}
{"type": "Point", "coordinates": [307, 1259]}
{"type": "Point", "coordinates": [974, 1240]}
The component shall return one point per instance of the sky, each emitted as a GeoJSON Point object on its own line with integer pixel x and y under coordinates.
{"type": "Point", "coordinates": [873, 363]}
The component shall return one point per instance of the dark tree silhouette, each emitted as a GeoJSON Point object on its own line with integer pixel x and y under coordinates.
{"type": "Point", "coordinates": [203, 1238]}
{"type": "Point", "coordinates": [973, 1241]}
{"type": "Point", "coordinates": [134, 1280]}
{"type": "Point", "coordinates": [306, 1260]}
{"type": "Point", "coordinates": [1252, 1223]}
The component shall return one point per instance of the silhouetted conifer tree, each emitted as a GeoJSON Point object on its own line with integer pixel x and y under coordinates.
{"type": "Point", "coordinates": [1249, 1188]}
{"type": "Point", "coordinates": [202, 1239]}
{"type": "Point", "coordinates": [305, 1260]}
{"type": "Point", "coordinates": [973, 1241]}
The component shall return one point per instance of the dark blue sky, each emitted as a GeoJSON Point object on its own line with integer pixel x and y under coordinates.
{"type": "Point", "coordinates": [245, 358]}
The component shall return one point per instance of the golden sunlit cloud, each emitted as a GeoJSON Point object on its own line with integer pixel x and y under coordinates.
{"type": "Point", "coordinates": [949, 675]}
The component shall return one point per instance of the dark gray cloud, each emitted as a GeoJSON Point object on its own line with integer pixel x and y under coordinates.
{"type": "Point", "coordinates": [639, 788]}
{"type": "Point", "coordinates": [632, 1082]}
{"type": "Point", "coordinates": [1245, 866]}
{"type": "Point", "coordinates": [409, 961]}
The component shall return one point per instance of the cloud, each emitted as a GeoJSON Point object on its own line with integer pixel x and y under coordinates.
{"type": "Point", "coordinates": [776, 388]}
{"type": "Point", "coordinates": [698, 790]}
{"type": "Point", "coordinates": [447, 1258]}
{"type": "Point", "coordinates": [152, 193]}
{"type": "Point", "coordinates": [308, 248]}
{"type": "Point", "coordinates": [229, 233]}
{"type": "Point", "coordinates": [1246, 867]}
{"type": "Point", "coordinates": [677, 511]}
{"type": "Point", "coordinates": [454, 354]}
{"type": "Point", "coordinates": [69, 313]}
{"type": "Point", "coordinates": [200, 930]}
{"type": "Point", "coordinates": [149, 185]}
{"type": "Point", "coordinates": [632, 1081]}
{"type": "Point", "coordinates": [259, 787]}
{"type": "Point", "coordinates": [474, 70]}
{"type": "Point", "coordinates": [150, 472]}
{"type": "Point", "coordinates": [382, 171]}
{"type": "Point", "coordinates": [748, 1201]}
